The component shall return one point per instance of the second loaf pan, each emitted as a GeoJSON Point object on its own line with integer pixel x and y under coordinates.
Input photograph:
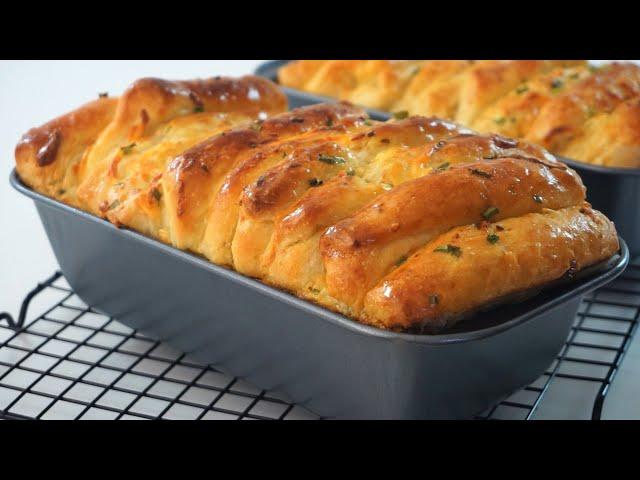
{"type": "Point", "coordinates": [336, 367]}
{"type": "Point", "coordinates": [613, 191]}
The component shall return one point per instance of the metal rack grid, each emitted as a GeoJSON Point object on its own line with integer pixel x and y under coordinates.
{"type": "Point", "coordinates": [73, 362]}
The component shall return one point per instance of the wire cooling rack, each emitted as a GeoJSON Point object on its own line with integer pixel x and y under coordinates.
{"type": "Point", "coordinates": [61, 359]}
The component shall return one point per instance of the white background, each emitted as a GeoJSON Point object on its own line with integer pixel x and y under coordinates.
{"type": "Point", "coordinates": [33, 92]}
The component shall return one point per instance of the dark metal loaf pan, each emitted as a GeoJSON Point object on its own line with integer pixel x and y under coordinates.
{"type": "Point", "coordinates": [336, 367]}
{"type": "Point", "coordinates": [613, 191]}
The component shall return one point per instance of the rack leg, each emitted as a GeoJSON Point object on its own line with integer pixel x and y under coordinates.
{"type": "Point", "coordinates": [18, 324]}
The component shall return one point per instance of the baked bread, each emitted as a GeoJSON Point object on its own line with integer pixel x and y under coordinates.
{"type": "Point", "coordinates": [406, 225]}
{"type": "Point", "coordinates": [80, 156]}
{"type": "Point", "coordinates": [572, 109]}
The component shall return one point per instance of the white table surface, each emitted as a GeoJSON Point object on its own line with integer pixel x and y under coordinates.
{"type": "Point", "coordinates": [33, 92]}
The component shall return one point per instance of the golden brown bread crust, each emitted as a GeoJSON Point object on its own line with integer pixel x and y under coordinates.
{"type": "Point", "coordinates": [374, 83]}
{"type": "Point", "coordinates": [559, 104]}
{"type": "Point", "coordinates": [362, 171]}
{"type": "Point", "coordinates": [296, 74]}
{"type": "Point", "coordinates": [611, 139]}
{"type": "Point", "coordinates": [513, 113]}
{"type": "Point", "coordinates": [435, 88]}
{"type": "Point", "coordinates": [114, 152]}
{"type": "Point", "coordinates": [362, 248]}
{"type": "Point", "coordinates": [47, 157]}
{"type": "Point", "coordinates": [326, 203]}
{"type": "Point", "coordinates": [206, 182]}
{"type": "Point", "coordinates": [561, 122]}
{"type": "Point", "coordinates": [153, 111]}
{"type": "Point", "coordinates": [433, 289]}
{"type": "Point", "coordinates": [489, 80]}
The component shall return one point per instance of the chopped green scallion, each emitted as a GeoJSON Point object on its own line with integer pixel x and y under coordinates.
{"type": "Point", "coordinates": [450, 249]}
{"type": "Point", "coordinates": [127, 149]}
{"type": "Point", "coordinates": [401, 115]}
{"type": "Point", "coordinates": [401, 260]}
{"type": "Point", "coordinates": [490, 212]}
{"type": "Point", "coordinates": [331, 159]}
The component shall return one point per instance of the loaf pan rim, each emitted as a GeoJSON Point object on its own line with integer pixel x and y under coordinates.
{"type": "Point", "coordinates": [631, 171]}
{"type": "Point", "coordinates": [587, 284]}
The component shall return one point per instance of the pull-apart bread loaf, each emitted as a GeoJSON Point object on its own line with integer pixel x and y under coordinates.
{"type": "Point", "coordinates": [567, 106]}
{"type": "Point", "coordinates": [407, 225]}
